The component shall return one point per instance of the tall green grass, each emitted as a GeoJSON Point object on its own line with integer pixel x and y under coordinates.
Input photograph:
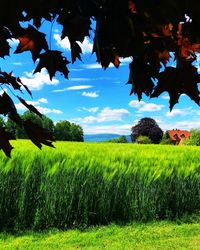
{"type": "Point", "coordinates": [81, 184]}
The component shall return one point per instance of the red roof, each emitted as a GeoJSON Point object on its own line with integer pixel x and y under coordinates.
{"type": "Point", "coordinates": [177, 135]}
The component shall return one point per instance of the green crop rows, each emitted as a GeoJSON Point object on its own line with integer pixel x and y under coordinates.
{"type": "Point", "coordinates": [81, 184]}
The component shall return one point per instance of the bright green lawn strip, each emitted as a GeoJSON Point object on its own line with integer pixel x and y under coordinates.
{"type": "Point", "coordinates": [158, 235]}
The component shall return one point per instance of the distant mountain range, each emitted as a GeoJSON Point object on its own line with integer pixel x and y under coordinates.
{"type": "Point", "coordinates": [103, 137]}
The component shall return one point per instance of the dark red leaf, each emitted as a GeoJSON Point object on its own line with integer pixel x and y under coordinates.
{"type": "Point", "coordinates": [32, 40]}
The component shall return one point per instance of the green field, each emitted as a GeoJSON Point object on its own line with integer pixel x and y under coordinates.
{"type": "Point", "coordinates": [137, 236]}
{"type": "Point", "coordinates": [83, 184]}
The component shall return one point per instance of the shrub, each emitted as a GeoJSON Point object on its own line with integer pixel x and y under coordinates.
{"type": "Point", "coordinates": [166, 142]}
{"type": "Point", "coordinates": [194, 139]}
{"type": "Point", "coordinates": [143, 140]}
{"type": "Point", "coordinates": [121, 139]}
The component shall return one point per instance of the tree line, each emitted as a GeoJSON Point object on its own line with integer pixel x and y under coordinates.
{"type": "Point", "coordinates": [61, 131]}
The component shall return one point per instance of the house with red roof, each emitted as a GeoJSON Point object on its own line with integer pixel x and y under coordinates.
{"type": "Point", "coordinates": [177, 136]}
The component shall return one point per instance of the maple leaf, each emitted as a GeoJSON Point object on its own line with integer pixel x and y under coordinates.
{"type": "Point", "coordinates": [32, 40]}
{"type": "Point", "coordinates": [4, 142]}
{"type": "Point", "coordinates": [53, 61]}
{"type": "Point", "coordinates": [37, 134]}
{"type": "Point", "coordinates": [105, 56]}
{"type": "Point", "coordinates": [15, 82]}
{"type": "Point", "coordinates": [177, 81]}
{"type": "Point", "coordinates": [141, 78]}
{"type": "Point", "coordinates": [29, 106]}
{"type": "Point", "coordinates": [11, 80]}
{"type": "Point", "coordinates": [74, 27]}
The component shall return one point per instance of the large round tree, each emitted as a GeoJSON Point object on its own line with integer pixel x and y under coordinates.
{"type": "Point", "coordinates": [147, 127]}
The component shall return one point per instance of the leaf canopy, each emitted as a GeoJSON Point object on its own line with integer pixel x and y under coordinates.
{"type": "Point", "coordinates": [149, 32]}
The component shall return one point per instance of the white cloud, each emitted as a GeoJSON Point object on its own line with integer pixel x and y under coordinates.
{"type": "Point", "coordinates": [37, 103]}
{"type": "Point", "coordinates": [91, 110]}
{"type": "Point", "coordinates": [78, 87]}
{"type": "Point", "coordinates": [114, 129]}
{"type": "Point", "coordinates": [43, 100]}
{"type": "Point", "coordinates": [45, 111]}
{"type": "Point", "coordinates": [93, 66]}
{"type": "Point", "coordinates": [86, 46]}
{"type": "Point", "coordinates": [106, 115]}
{"type": "Point", "coordinates": [79, 79]}
{"type": "Point", "coordinates": [188, 124]}
{"type": "Point", "coordinates": [90, 94]}
{"type": "Point", "coordinates": [165, 97]}
{"type": "Point", "coordinates": [125, 60]}
{"type": "Point", "coordinates": [13, 42]}
{"type": "Point", "coordinates": [145, 107]}
{"type": "Point", "coordinates": [178, 112]}
{"type": "Point", "coordinates": [183, 125]}
{"type": "Point", "coordinates": [38, 81]}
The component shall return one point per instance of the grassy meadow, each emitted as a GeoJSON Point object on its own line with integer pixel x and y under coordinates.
{"type": "Point", "coordinates": [163, 235]}
{"type": "Point", "coordinates": [84, 184]}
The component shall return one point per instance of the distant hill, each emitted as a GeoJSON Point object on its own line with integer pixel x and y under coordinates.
{"type": "Point", "coordinates": [103, 137]}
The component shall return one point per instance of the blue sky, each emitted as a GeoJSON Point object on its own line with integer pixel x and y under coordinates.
{"type": "Point", "coordinates": [96, 99]}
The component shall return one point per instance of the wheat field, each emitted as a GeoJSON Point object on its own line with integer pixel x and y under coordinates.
{"type": "Point", "coordinates": [83, 184]}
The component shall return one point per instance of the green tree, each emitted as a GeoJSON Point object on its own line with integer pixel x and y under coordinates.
{"type": "Point", "coordinates": [147, 127]}
{"type": "Point", "coordinates": [19, 132]}
{"type": "Point", "coordinates": [66, 131]}
{"type": "Point", "coordinates": [62, 131]}
{"type": "Point", "coordinates": [44, 122]}
{"type": "Point", "coordinates": [76, 132]}
{"type": "Point", "coordinates": [194, 138]}
{"type": "Point", "coordinates": [15, 130]}
{"type": "Point", "coordinates": [165, 139]}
